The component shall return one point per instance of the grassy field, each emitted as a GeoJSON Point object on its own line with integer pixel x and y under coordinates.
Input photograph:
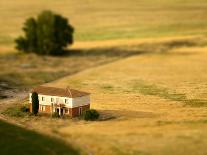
{"type": "Point", "coordinates": [154, 103]}
{"type": "Point", "coordinates": [106, 20]}
{"type": "Point", "coordinates": [24, 71]}
{"type": "Point", "coordinates": [144, 62]}
{"type": "Point", "coordinates": [17, 140]}
{"type": "Point", "coordinates": [158, 101]}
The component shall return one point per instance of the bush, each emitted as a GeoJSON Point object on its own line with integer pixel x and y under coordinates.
{"type": "Point", "coordinates": [90, 115]}
{"type": "Point", "coordinates": [24, 109]}
{"type": "Point", "coordinates": [49, 34]}
{"type": "Point", "coordinates": [18, 111]}
{"type": "Point", "coordinates": [55, 115]}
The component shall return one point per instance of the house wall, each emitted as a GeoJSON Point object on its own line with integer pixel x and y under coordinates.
{"type": "Point", "coordinates": [80, 101]}
{"type": "Point", "coordinates": [57, 99]}
{"type": "Point", "coordinates": [73, 112]}
{"type": "Point", "coordinates": [45, 108]}
{"type": "Point", "coordinates": [42, 108]}
{"type": "Point", "coordinates": [76, 111]}
{"type": "Point", "coordinates": [30, 107]}
{"type": "Point", "coordinates": [73, 104]}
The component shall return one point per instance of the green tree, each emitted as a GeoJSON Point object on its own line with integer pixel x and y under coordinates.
{"type": "Point", "coordinates": [49, 34]}
{"type": "Point", "coordinates": [35, 103]}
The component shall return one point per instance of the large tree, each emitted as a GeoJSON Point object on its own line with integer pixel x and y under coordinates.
{"type": "Point", "coordinates": [35, 103]}
{"type": "Point", "coordinates": [48, 34]}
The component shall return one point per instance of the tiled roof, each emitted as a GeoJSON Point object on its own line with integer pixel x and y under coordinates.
{"type": "Point", "coordinates": [52, 91]}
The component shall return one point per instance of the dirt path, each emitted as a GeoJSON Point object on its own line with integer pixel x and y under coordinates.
{"type": "Point", "coordinates": [14, 99]}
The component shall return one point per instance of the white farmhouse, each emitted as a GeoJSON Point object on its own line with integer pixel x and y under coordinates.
{"type": "Point", "coordinates": [63, 101]}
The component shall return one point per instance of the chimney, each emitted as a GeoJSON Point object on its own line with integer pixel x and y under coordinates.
{"type": "Point", "coordinates": [69, 91]}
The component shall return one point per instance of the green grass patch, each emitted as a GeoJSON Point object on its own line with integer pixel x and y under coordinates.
{"type": "Point", "coordinates": [6, 40]}
{"type": "Point", "coordinates": [107, 87]}
{"type": "Point", "coordinates": [17, 111]}
{"type": "Point", "coordinates": [30, 78]}
{"type": "Point", "coordinates": [142, 32]}
{"type": "Point", "coordinates": [16, 140]}
{"type": "Point", "coordinates": [152, 89]}
{"type": "Point", "coordinates": [103, 20]}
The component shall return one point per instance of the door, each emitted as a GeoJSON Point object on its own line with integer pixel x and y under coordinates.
{"type": "Point", "coordinates": [58, 110]}
{"type": "Point", "coordinates": [80, 111]}
{"type": "Point", "coordinates": [61, 111]}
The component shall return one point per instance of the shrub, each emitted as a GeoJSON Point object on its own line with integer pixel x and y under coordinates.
{"type": "Point", "coordinates": [48, 34]}
{"type": "Point", "coordinates": [90, 115]}
{"type": "Point", "coordinates": [24, 109]}
{"type": "Point", "coordinates": [55, 115]}
{"type": "Point", "coordinates": [18, 111]}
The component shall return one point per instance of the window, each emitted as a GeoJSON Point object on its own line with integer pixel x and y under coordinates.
{"type": "Point", "coordinates": [43, 108]}
{"type": "Point", "coordinates": [30, 98]}
{"type": "Point", "coordinates": [52, 99]}
{"type": "Point", "coordinates": [66, 100]}
{"type": "Point", "coordinates": [43, 98]}
{"type": "Point", "coordinates": [67, 111]}
{"type": "Point", "coordinates": [80, 110]}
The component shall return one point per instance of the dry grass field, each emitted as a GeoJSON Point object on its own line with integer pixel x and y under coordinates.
{"type": "Point", "coordinates": [144, 63]}
{"type": "Point", "coordinates": [158, 101]}
{"type": "Point", "coordinates": [150, 103]}
{"type": "Point", "coordinates": [104, 20]}
{"type": "Point", "coordinates": [23, 71]}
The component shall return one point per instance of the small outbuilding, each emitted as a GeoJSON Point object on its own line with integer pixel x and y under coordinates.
{"type": "Point", "coordinates": [66, 101]}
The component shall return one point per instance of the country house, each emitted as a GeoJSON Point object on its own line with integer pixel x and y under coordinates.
{"type": "Point", "coordinates": [66, 101]}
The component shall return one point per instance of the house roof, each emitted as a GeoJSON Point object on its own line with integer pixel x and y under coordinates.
{"type": "Point", "coordinates": [52, 91]}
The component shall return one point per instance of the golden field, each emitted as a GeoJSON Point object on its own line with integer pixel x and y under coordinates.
{"type": "Point", "coordinates": [108, 20]}
{"type": "Point", "coordinates": [144, 63]}
{"type": "Point", "coordinates": [155, 101]}
{"type": "Point", "coordinates": [150, 103]}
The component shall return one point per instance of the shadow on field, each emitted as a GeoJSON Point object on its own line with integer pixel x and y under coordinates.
{"type": "Point", "coordinates": [144, 48]}
{"type": "Point", "coordinates": [26, 70]}
{"type": "Point", "coordinates": [106, 115]}
{"type": "Point", "coordinates": [106, 52]}
{"type": "Point", "coordinates": [167, 46]}
{"type": "Point", "coordinates": [17, 140]}
{"type": "Point", "coordinates": [22, 71]}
